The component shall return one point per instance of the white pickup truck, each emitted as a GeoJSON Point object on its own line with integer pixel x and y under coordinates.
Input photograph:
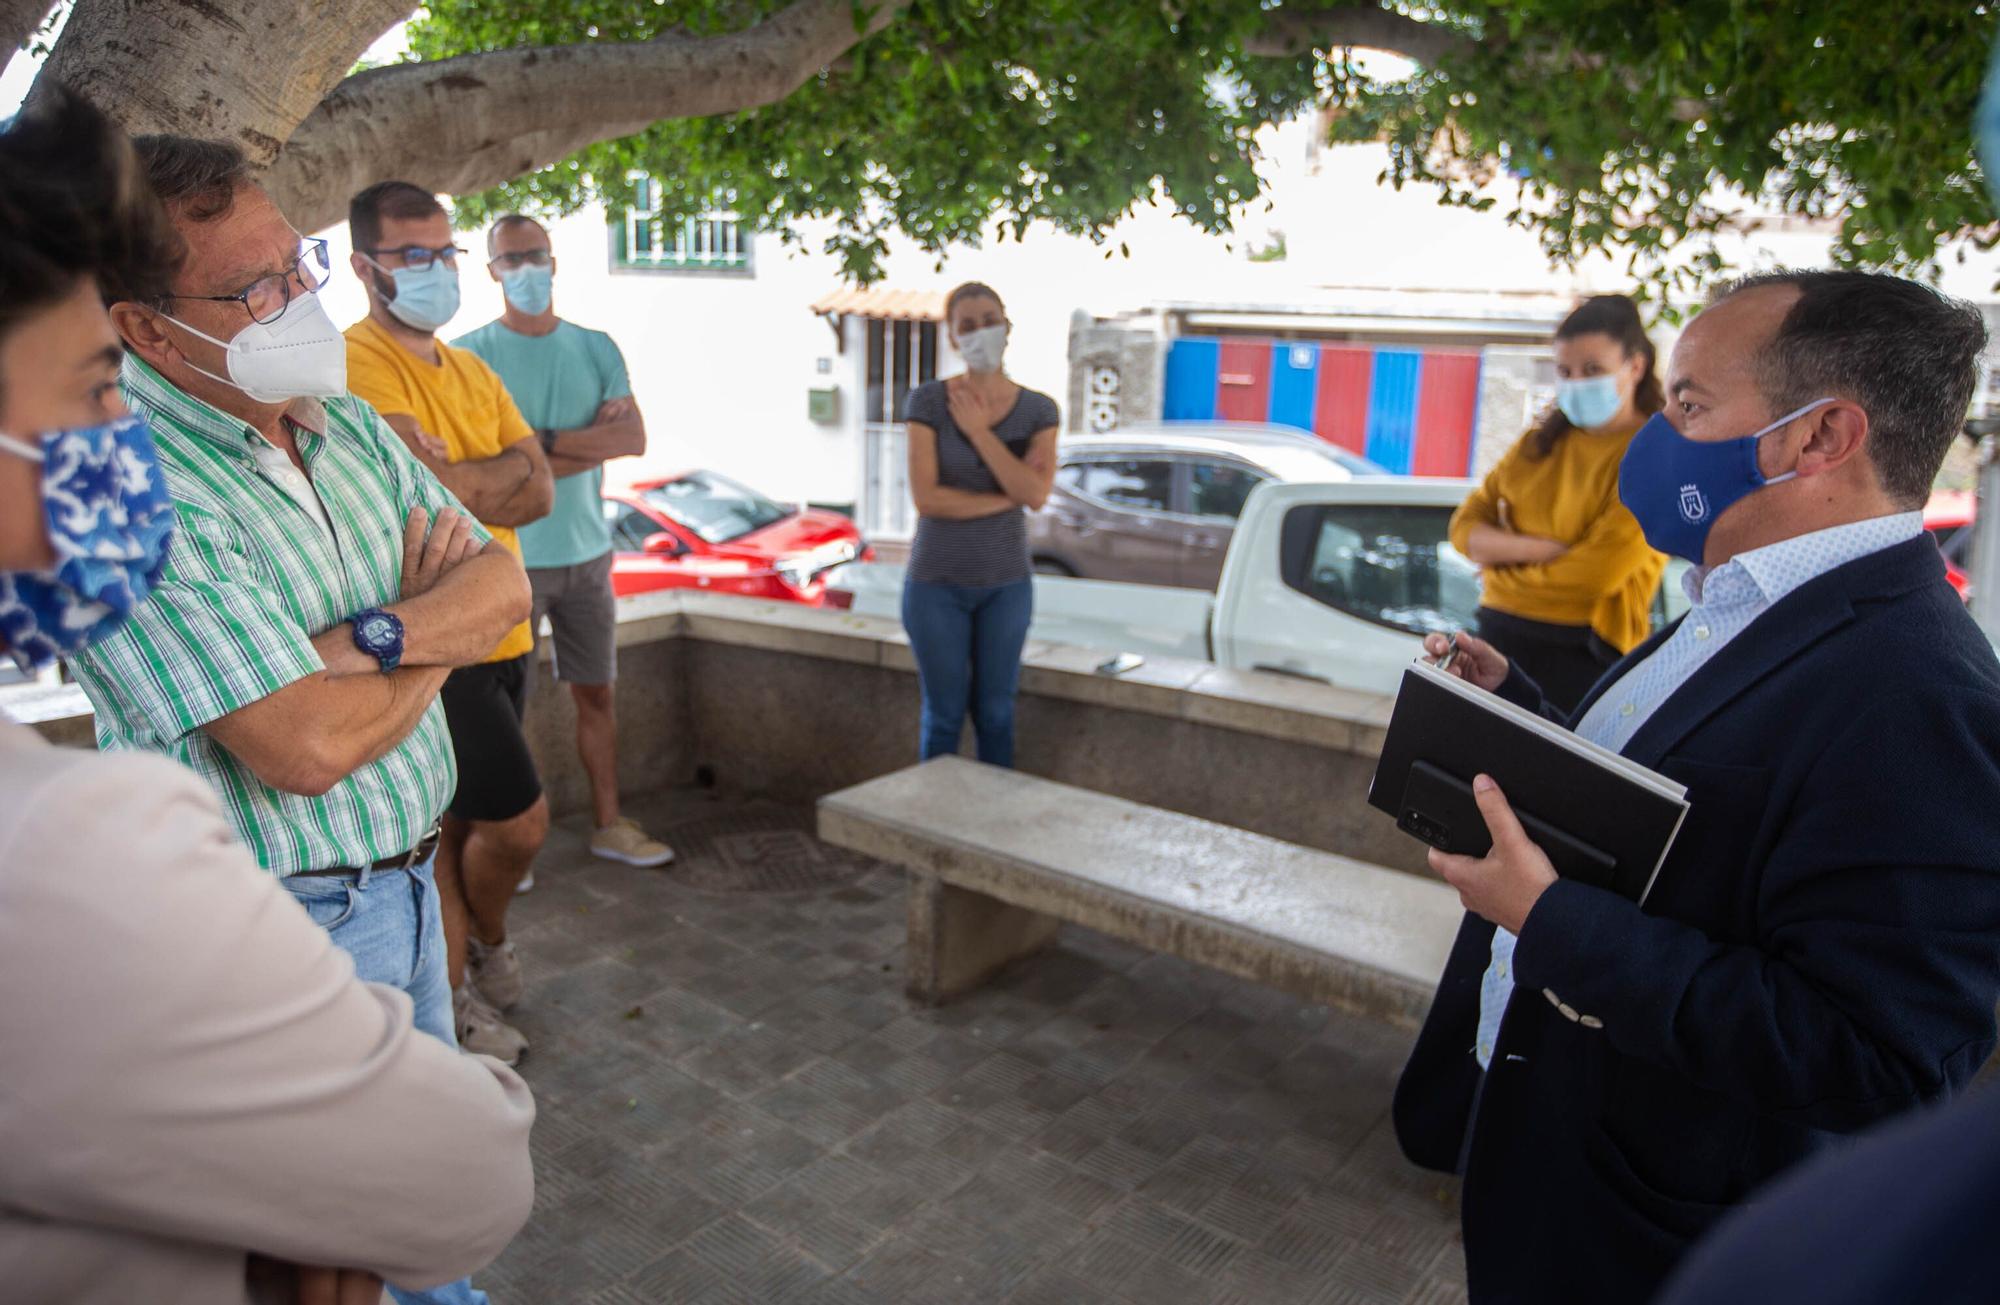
{"type": "Point", "coordinates": [1332, 582]}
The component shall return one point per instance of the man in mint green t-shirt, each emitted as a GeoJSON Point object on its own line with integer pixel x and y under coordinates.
{"type": "Point", "coordinates": [570, 384]}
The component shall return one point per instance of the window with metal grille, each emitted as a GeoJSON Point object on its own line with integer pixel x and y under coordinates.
{"type": "Point", "coordinates": [642, 240]}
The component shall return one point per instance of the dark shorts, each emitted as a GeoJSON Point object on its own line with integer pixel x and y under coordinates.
{"type": "Point", "coordinates": [483, 704]}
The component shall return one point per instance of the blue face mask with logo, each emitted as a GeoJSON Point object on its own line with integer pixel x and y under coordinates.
{"type": "Point", "coordinates": [426, 298]}
{"type": "Point", "coordinates": [109, 520]}
{"type": "Point", "coordinates": [1590, 402]}
{"type": "Point", "coordinates": [1677, 487]}
{"type": "Point", "coordinates": [530, 289]}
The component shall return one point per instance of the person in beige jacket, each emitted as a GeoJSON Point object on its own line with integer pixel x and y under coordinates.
{"type": "Point", "coordinates": [199, 1102]}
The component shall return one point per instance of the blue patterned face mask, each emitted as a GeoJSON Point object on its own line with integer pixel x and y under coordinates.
{"type": "Point", "coordinates": [109, 520]}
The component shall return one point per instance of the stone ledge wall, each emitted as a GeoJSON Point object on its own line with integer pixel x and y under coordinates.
{"type": "Point", "coordinates": [794, 703]}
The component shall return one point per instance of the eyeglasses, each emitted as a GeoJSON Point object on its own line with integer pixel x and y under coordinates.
{"type": "Point", "coordinates": [527, 258]}
{"type": "Point", "coordinates": [266, 298]}
{"type": "Point", "coordinates": [419, 257]}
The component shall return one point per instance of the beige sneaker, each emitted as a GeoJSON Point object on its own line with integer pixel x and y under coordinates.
{"type": "Point", "coordinates": [481, 1030]}
{"type": "Point", "coordinates": [623, 840]}
{"type": "Point", "coordinates": [495, 970]}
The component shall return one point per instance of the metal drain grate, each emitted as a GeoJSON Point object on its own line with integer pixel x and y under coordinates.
{"type": "Point", "coordinates": [763, 849]}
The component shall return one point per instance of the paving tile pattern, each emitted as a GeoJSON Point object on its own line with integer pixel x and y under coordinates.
{"type": "Point", "coordinates": [739, 1106]}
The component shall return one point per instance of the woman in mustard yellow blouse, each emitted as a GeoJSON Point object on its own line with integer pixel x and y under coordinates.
{"type": "Point", "coordinates": [1569, 580]}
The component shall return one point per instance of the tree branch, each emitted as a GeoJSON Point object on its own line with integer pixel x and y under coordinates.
{"type": "Point", "coordinates": [463, 124]}
{"type": "Point", "coordinates": [1295, 31]}
{"type": "Point", "coordinates": [245, 71]}
{"type": "Point", "coordinates": [1300, 29]}
{"type": "Point", "coordinates": [19, 20]}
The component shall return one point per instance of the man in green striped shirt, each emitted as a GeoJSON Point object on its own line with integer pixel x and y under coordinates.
{"type": "Point", "coordinates": [320, 586]}
{"type": "Point", "coordinates": [298, 510]}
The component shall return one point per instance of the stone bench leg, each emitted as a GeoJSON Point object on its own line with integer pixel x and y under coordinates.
{"type": "Point", "coordinates": [959, 939]}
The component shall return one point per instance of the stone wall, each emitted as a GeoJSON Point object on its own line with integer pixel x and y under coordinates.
{"type": "Point", "coordinates": [791, 703]}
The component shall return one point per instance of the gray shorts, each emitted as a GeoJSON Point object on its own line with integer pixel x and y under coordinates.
{"type": "Point", "coordinates": [583, 616]}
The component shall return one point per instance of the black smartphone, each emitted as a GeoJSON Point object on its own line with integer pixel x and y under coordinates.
{"type": "Point", "coordinates": [1439, 808]}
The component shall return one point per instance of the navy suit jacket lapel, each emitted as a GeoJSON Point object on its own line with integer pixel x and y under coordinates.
{"type": "Point", "coordinates": [1802, 618]}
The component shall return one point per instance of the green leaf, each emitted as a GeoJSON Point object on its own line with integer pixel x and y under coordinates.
{"type": "Point", "coordinates": [1631, 126]}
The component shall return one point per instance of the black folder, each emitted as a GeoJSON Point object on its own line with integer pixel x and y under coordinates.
{"type": "Point", "coordinates": [1601, 818]}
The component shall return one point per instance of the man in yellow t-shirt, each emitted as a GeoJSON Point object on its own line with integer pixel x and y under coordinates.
{"type": "Point", "coordinates": [456, 416]}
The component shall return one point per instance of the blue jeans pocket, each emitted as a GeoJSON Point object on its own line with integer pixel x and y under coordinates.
{"type": "Point", "coordinates": [330, 902]}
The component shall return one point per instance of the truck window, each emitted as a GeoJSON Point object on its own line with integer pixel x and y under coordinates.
{"type": "Point", "coordinates": [1147, 486]}
{"type": "Point", "coordinates": [1219, 489]}
{"type": "Point", "coordinates": [1388, 564]}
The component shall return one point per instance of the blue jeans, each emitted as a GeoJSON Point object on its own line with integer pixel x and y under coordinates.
{"type": "Point", "coordinates": [967, 642]}
{"type": "Point", "coordinates": [389, 922]}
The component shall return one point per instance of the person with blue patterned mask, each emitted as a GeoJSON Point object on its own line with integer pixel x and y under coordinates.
{"type": "Point", "coordinates": [85, 520]}
{"type": "Point", "coordinates": [180, 1012]}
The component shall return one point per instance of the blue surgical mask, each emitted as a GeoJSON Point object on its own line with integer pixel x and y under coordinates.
{"type": "Point", "coordinates": [426, 298]}
{"type": "Point", "coordinates": [109, 519]}
{"type": "Point", "coordinates": [1677, 487]}
{"type": "Point", "coordinates": [1590, 402]}
{"type": "Point", "coordinates": [530, 289]}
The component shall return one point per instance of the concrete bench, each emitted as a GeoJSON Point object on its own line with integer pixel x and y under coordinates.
{"type": "Point", "coordinates": [998, 860]}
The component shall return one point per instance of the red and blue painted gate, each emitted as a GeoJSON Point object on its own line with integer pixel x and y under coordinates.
{"type": "Point", "coordinates": [1413, 411]}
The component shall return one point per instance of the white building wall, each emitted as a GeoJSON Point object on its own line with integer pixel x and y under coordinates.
{"type": "Point", "coordinates": [721, 363]}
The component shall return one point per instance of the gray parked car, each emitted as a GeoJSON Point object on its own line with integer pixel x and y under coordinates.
{"type": "Point", "coordinates": [1157, 504]}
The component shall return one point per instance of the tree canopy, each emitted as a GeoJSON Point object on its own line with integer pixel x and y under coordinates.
{"type": "Point", "coordinates": [1632, 127]}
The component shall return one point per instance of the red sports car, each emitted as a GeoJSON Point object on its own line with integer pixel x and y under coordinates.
{"type": "Point", "coordinates": [699, 530]}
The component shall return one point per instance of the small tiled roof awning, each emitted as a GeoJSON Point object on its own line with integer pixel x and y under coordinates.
{"type": "Point", "coordinates": [883, 302]}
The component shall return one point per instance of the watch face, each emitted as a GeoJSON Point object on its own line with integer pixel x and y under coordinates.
{"type": "Point", "coordinates": [375, 630]}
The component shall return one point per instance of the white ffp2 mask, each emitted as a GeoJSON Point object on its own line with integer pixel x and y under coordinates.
{"type": "Point", "coordinates": [983, 349]}
{"type": "Point", "coordinates": [298, 355]}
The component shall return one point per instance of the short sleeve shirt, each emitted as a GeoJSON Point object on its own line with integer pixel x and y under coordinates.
{"type": "Point", "coordinates": [559, 381]}
{"type": "Point", "coordinates": [458, 399]}
{"type": "Point", "coordinates": [986, 551]}
{"type": "Point", "coordinates": [251, 576]}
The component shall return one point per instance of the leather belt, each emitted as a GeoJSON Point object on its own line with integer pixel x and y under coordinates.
{"type": "Point", "coordinates": [401, 861]}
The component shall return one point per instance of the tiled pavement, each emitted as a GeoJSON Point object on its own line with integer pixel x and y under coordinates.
{"type": "Point", "coordinates": [738, 1105]}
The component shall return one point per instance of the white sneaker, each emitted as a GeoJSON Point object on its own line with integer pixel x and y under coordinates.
{"type": "Point", "coordinates": [481, 1030]}
{"type": "Point", "coordinates": [623, 840]}
{"type": "Point", "coordinates": [495, 970]}
{"type": "Point", "coordinates": [527, 883]}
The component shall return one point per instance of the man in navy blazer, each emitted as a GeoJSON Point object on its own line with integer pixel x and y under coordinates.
{"type": "Point", "coordinates": [1821, 948]}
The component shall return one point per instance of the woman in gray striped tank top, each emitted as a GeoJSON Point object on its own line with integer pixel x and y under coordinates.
{"type": "Point", "coordinates": [982, 450]}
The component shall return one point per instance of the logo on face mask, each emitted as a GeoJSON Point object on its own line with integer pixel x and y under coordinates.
{"type": "Point", "coordinates": [1694, 508]}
